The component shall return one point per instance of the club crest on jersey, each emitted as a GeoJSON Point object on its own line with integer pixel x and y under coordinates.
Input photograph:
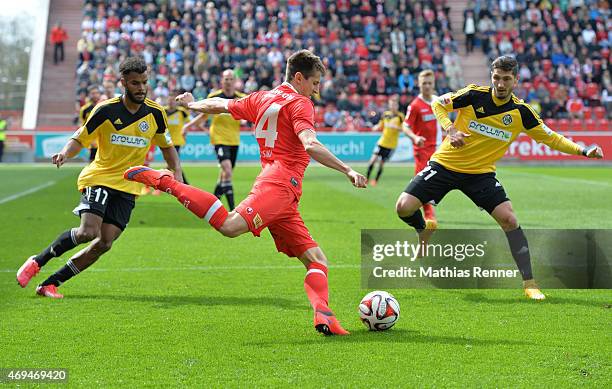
{"type": "Point", "coordinates": [143, 126]}
{"type": "Point", "coordinates": [507, 119]}
{"type": "Point", "coordinates": [249, 210]}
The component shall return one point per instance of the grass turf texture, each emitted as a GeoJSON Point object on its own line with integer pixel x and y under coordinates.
{"type": "Point", "coordinates": [174, 303]}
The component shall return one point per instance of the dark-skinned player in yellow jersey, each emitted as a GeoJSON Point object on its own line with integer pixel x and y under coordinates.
{"type": "Point", "coordinates": [488, 120]}
{"type": "Point", "coordinates": [123, 127]}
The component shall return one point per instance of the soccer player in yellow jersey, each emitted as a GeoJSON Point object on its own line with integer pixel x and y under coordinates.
{"type": "Point", "coordinates": [391, 126]}
{"type": "Point", "coordinates": [224, 136]}
{"type": "Point", "coordinates": [95, 97]}
{"type": "Point", "coordinates": [488, 120]}
{"type": "Point", "coordinates": [123, 127]}
{"type": "Point", "coordinates": [177, 118]}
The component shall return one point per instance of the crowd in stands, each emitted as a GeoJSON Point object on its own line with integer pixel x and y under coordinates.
{"type": "Point", "coordinates": [563, 48]}
{"type": "Point", "coordinates": [371, 49]}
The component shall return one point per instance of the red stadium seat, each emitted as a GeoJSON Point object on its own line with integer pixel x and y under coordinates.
{"type": "Point", "coordinates": [600, 112]}
{"type": "Point", "coordinates": [319, 113]}
{"type": "Point", "coordinates": [552, 88]}
{"type": "Point", "coordinates": [551, 123]}
{"type": "Point", "coordinates": [527, 86]}
{"type": "Point", "coordinates": [352, 88]}
{"type": "Point", "coordinates": [425, 57]}
{"type": "Point", "coordinates": [381, 101]}
{"type": "Point", "coordinates": [563, 125]}
{"type": "Point", "coordinates": [576, 125]}
{"type": "Point", "coordinates": [367, 99]}
{"type": "Point", "coordinates": [603, 125]}
{"type": "Point", "coordinates": [375, 66]}
{"type": "Point", "coordinates": [546, 65]}
{"type": "Point", "coordinates": [592, 91]}
{"type": "Point", "coordinates": [363, 66]}
{"type": "Point", "coordinates": [590, 125]}
{"type": "Point", "coordinates": [587, 112]}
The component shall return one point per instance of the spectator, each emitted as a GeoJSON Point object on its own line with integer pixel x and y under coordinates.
{"type": "Point", "coordinates": [574, 106]}
{"type": "Point", "coordinates": [331, 116]}
{"type": "Point", "coordinates": [58, 37]}
{"type": "Point", "coordinates": [469, 28]}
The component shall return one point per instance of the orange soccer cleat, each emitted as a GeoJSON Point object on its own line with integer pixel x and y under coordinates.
{"type": "Point", "coordinates": [146, 175]}
{"type": "Point", "coordinates": [27, 271]}
{"type": "Point", "coordinates": [48, 291]}
{"type": "Point", "coordinates": [326, 323]}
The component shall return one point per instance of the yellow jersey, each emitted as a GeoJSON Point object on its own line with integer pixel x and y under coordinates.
{"type": "Point", "coordinates": [85, 111]}
{"type": "Point", "coordinates": [177, 118]}
{"type": "Point", "coordinates": [224, 129]}
{"type": "Point", "coordinates": [493, 124]}
{"type": "Point", "coordinates": [123, 141]}
{"type": "Point", "coordinates": [391, 127]}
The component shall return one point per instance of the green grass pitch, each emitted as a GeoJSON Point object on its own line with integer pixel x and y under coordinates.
{"type": "Point", "coordinates": [176, 304]}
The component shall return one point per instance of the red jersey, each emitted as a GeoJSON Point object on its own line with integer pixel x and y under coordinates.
{"type": "Point", "coordinates": [279, 116]}
{"type": "Point", "coordinates": [422, 122]}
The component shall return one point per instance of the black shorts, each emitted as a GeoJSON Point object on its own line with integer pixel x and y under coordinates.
{"type": "Point", "coordinates": [383, 152]}
{"type": "Point", "coordinates": [113, 206]}
{"type": "Point", "coordinates": [226, 152]}
{"type": "Point", "coordinates": [435, 181]}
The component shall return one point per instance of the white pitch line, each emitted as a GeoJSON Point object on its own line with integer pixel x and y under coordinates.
{"type": "Point", "coordinates": [26, 192]}
{"type": "Point", "coordinates": [196, 268]}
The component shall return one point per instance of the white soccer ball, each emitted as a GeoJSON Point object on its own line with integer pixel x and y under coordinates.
{"type": "Point", "coordinates": [379, 310]}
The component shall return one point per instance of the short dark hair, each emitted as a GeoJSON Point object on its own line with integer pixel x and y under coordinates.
{"type": "Point", "coordinates": [506, 63]}
{"type": "Point", "coordinates": [92, 88]}
{"type": "Point", "coordinates": [133, 64]}
{"type": "Point", "coordinates": [305, 62]}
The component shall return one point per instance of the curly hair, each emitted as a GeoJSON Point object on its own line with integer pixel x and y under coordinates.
{"type": "Point", "coordinates": [133, 64]}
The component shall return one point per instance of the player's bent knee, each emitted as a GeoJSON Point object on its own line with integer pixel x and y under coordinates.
{"type": "Point", "coordinates": [509, 222]}
{"type": "Point", "coordinates": [103, 245]}
{"type": "Point", "coordinates": [406, 205]}
{"type": "Point", "coordinates": [234, 225]}
{"type": "Point", "coordinates": [86, 234]}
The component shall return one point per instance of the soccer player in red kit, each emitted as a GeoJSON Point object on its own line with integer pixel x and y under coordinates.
{"type": "Point", "coordinates": [284, 128]}
{"type": "Point", "coordinates": [422, 128]}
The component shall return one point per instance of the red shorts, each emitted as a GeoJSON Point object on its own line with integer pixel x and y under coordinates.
{"type": "Point", "coordinates": [275, 206]}
{"type": "Point", "coordinates": [421, 157]}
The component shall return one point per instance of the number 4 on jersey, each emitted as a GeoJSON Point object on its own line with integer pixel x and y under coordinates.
{"type": "Point", "coordinates": [271, 117]}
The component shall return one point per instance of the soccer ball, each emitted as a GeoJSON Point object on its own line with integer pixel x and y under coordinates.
{"type": "Point", "coordinates": [379, 310]}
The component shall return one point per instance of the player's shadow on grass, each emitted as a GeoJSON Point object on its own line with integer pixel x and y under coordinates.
{"type": "Point", "coordinates": [167, 302]}
{"type": "Point", "coordinates": [398, 335]}
{"type": "Point", "coordinates": [482, 298]}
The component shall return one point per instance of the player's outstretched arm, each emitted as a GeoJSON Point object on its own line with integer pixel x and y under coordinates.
{"type": "Point", "coordinates": [211, 106]}
{"type": "Point", "coordinates": [70, 150]}
{"type": "Point", "coordinates": [542, 134]}
{"type": "Point", "coordinates": [321, 154]}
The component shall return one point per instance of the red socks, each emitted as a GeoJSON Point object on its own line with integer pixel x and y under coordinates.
{"type": "Point", "coordinates": [202, 204]}
{"type": "Point", "coordinates": [315, 284]}
{"type": "Point", "coordinates": [429, 212]}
